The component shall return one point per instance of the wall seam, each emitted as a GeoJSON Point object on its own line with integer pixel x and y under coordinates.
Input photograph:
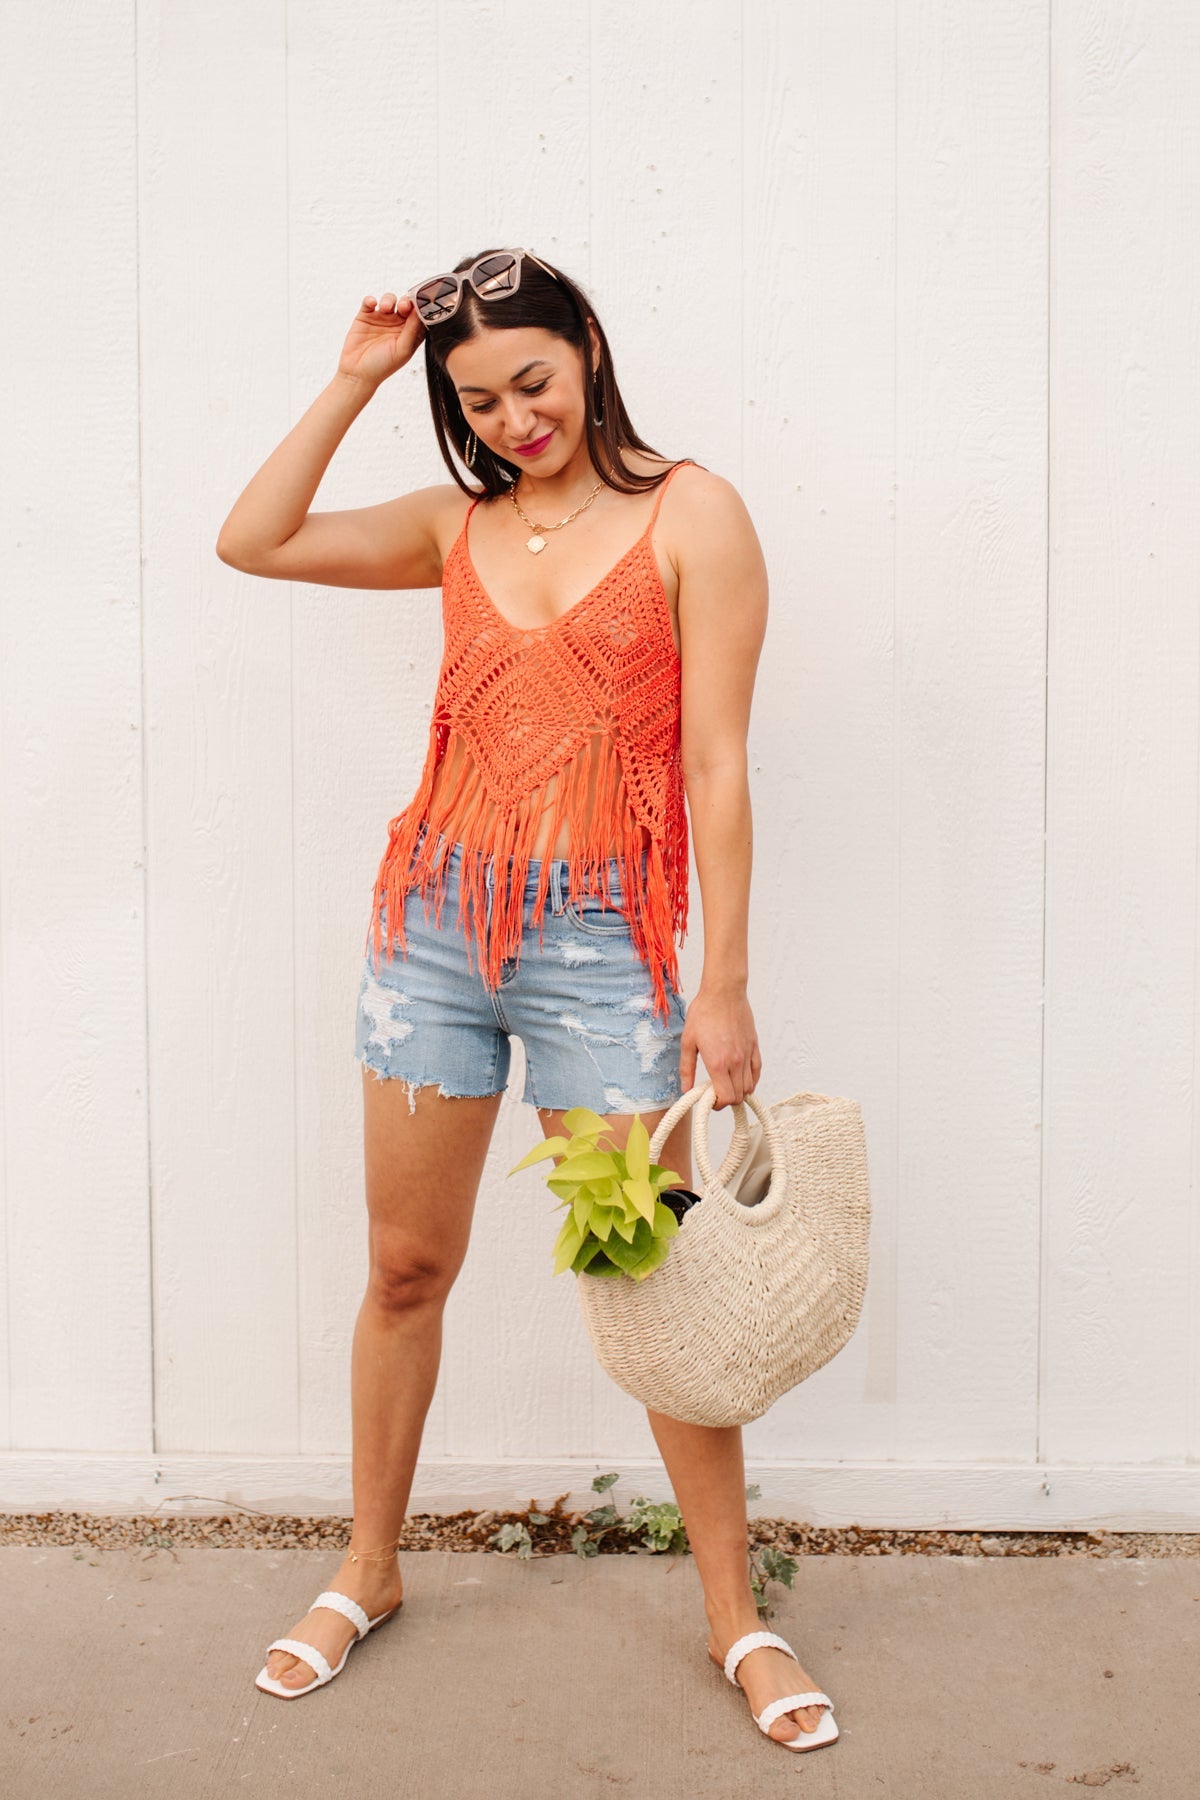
{"type": "Point", "coordinates": [151, 1308]}
{"type": "Point", "coordinates": [291, 666]}
{"type": "Point", "coordinates": [1039, 1380]}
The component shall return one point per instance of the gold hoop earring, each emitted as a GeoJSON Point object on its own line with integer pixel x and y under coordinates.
{"type": "Point", "coordinates": [472, 446]}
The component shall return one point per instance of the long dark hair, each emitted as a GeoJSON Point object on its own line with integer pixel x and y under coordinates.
{"type": "Point", "coordinates": [556, 304]}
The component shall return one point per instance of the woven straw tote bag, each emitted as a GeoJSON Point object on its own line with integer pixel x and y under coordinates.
{"type": "Point", "coordinates": [764, 1282]}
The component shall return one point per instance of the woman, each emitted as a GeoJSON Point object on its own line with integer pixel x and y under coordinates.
{"type": "Point", "coordinates": [604, 612]}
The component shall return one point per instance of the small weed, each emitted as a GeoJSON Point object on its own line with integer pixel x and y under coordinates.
{"type": "Point", "coordinates": [649, 1528]}
{"type": "Point", "coordinates": [774, 1565]}
{"type": "Point", "coordinates": [514, 1536]}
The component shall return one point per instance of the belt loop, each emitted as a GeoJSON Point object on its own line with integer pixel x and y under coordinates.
{"type": "Point", "coordinates": [556, 893]}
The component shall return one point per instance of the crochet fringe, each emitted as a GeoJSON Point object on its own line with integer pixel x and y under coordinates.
{"type": "Point", "coordinates": [588, 791]}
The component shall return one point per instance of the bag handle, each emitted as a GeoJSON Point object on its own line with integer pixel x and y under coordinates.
{"type": "Point", "coordinates": [738, 1143]}
{"type": "Point", "coordinates": [701, 1098]}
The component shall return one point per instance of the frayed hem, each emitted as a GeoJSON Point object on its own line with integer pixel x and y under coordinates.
{"type": "Point", "coordinates": [413, 1088]}
{"type": "Point", "coordinates": [615, 1103]}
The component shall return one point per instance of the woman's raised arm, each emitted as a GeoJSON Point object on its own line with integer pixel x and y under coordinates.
{"type": "Point", "coordinates": [270, 530]}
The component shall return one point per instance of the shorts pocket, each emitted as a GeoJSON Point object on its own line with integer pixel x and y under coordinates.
{"type": "Point", "coordinates": [588, 915]}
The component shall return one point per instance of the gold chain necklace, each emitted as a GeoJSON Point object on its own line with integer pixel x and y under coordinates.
{"type": "Point", "coordinates": [537, 542]}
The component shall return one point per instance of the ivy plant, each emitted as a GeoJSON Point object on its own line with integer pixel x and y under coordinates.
{"type": "Point", "coordinates": [776, 1565]}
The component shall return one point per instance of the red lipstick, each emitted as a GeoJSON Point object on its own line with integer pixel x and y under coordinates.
{"type": "Point", "coordinates": [537, 446]}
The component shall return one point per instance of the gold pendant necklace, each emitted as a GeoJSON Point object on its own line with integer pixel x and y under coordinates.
{"type": "Point", "coordinates": [537, 543]}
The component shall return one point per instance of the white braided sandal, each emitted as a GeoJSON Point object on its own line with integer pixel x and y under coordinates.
{"type": "Point", "coordinates": [826, 1731]}
{"type": "Point", "coordinates": [309, 1653]}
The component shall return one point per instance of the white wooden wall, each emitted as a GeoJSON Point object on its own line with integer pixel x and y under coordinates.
{"type": "Point", "coordinates": [922, 280]}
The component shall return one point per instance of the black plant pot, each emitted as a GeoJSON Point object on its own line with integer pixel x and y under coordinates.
{"type": "Point", "coordinates": [679, 1200]}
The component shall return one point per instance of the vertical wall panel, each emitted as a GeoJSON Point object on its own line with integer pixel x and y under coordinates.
{"type": "Point", "coordinates": [970, 649]}
{"type": "Point", "coordinates": [818, 267]}
{"type": "Point", "coordinates": [72, 866]}
{"type": "Point", "coordinates": [362, 219]}
{"type": "Point", "coordinates": [216, 320]}
{"type": "Point", "coordinates": [1120, 1271]}
{"type": "Point", "coordinates": [666, 247]}
{"type": "Point", "coordinates": [512, 168]}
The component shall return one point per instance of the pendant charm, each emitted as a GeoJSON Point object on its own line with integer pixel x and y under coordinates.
{"type": "Point", "coordinates": [535, 543]}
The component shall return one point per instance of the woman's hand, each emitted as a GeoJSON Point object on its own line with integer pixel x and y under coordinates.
{"type": "Point", "coordinates": [383, 337]}
{"type": "Point", "coordinates": [719, 1027]}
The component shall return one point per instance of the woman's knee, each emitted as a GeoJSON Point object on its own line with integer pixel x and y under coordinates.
{"type": "Point", "coordinates": [406, 1272]}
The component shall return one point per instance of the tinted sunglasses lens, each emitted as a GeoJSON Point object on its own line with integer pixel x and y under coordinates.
{"type": "Point", "coordinates": [494, 276]}
{"type": "Point", "coordinates": [436, 299]}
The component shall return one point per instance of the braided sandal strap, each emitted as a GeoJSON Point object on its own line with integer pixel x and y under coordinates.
{"type": "Point", "coordinates": [776, 1708]}
{"type": "Point", "coordinates": [753, 1640]}
{"type": "Point", "coordinates": [307, 1653]}
{"type": "Point", "coordinates": [349, 1609]}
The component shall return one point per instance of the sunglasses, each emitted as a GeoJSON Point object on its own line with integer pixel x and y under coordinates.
{"type": "Point", "coordinates": [492, 277]}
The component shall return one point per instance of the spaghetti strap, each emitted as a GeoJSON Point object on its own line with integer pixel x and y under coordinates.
{"type": "Point", "coordinates": [663, 485]}
{"type": "Point", "coordinates": [462, 530]}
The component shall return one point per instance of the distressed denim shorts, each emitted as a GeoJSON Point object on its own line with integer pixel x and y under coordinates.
{"type": "Point", "coordinates": [581, 1001]}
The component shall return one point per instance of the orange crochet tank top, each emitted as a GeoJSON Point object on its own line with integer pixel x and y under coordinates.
{"type": "Point", "coordinates": [578, 720]}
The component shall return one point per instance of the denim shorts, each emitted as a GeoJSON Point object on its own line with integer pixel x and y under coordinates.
{"type": "Point", "coordinates": [581, 1000]}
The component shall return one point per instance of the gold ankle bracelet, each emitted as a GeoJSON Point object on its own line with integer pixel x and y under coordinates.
{"type": "Point", "coordinates": [374, 1556]}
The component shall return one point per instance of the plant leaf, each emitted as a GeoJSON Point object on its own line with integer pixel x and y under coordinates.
{"type": "Point", "coordinates": [567, 1246]}
{"type": "Point", "coordinates": [588, 1165]}
{"type": "Point", "coordinates": [637, 1149]}
{"type": "Point", "coordinates": [600, 1265]}
{"type": "Point", "coordinates": [582, 1118]}
{"type": "Point", "coordinates": [602, 1221]}
{"type": "Point", "coordinates": [666, 1225]}
{"type": "Point", "coordinates": [551, 1146]}
{"type": "Point", "coordinates": [637, 1189]}
{"type": "Point", "coordinates": [626, 1256]}
{"type": "Point", "coordinates": [588, 1253]}
{"type": "Point", "coordinates": [656, 1254]}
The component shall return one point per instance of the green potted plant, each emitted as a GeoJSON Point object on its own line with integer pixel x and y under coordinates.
{"type": "Point", "coordinates": [617, 1222]}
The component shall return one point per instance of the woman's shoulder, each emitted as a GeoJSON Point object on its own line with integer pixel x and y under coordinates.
{"type": "Point", "coordinates": [445, 508]}
{"type": "Point", "coordinates": [694, 492]}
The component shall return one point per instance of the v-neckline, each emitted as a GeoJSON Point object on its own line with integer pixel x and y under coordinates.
{"type": "Point", "coordinates": [524, 630]}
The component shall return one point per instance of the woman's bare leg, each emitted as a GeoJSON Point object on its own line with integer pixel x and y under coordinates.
{"type": "Point", "coordinates": [707, 1471]}
{"type": "Point", "coordinates": [423, 1168]}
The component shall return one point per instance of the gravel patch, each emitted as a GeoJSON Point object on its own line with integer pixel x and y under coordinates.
{"type": "Point", "coordinates": [242, 1528]}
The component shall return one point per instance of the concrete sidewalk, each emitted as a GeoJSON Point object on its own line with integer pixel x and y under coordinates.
{"type": "Point", "coordinates": [129, 1674]}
